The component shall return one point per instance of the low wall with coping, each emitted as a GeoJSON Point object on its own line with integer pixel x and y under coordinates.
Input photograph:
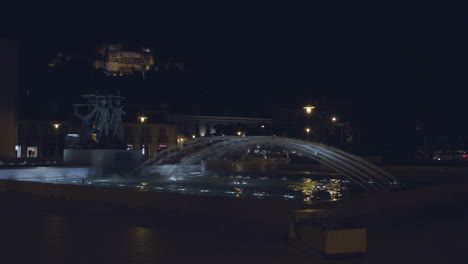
{"type": "Point", "coordinates": [251, 208]}
{"type": "Point", "coordinates": [254, 209]}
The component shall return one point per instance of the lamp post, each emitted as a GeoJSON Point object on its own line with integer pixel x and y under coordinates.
{"type": "Point", "coordinates": [308, 111]}
{"type": "Point", "coordinates": [307, 130]}
{"type": "Point", "coordinates": [341, 125]}
{"type": "Point", "coordinates": [56, 127]}
{"type": "Point", "coordinates": [142, 121]}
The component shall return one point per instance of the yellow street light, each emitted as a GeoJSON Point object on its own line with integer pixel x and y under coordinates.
{"type": "Point", "coordinates": [307, 130]}
{"type": "Point", "coordinates": [334, 119]}
{"type": "Point", "coordinates": [142, 118]}
{"type": "Point", "coordinates": [308, 109]}
{"type": "Point", "coordinates": [239, 133]}
{"type": "Point", "coordinates": [56, 126]}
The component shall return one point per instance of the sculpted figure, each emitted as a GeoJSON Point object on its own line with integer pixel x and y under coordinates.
{"type": "Point", "coordinates": [86, 126]}
{"type": "Point", "coordinates": [101, 115]}
{"type": "Point", "coordinates": [116, 129]}
{"type": "Point", "coordinates": [102, 120]}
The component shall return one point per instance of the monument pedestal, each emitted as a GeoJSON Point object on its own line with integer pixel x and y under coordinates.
{"type": "Point", "coordinates": [104, 162]}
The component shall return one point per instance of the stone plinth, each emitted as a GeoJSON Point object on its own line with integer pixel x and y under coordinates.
{"type": "Point", "coordinates": [104, 162]}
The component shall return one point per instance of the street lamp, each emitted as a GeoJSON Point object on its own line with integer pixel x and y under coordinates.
{"type": "Point", "coordinates": [308, 109]}
{"type": "Point", "coordinates": [307, 130]}
{"type": "Point", "coordinates": [56, 127]}
{"type": "Point", "coordinates": [341, 125]}
{"type": "Point", "coordinates": [142, 119]}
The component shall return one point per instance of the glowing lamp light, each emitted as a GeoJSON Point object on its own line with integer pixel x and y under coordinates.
{"type": "Point", "coordinates": [334, 119]}
{"type": "Point", "coordinates": [307, 130]}
{"type": "Point", "coordinates": [263, 126]}
{"type": "Point", "coordinates": [56, 125]}
{"type": "Point", "coordinates": [308, 109]}
{"type": "Point", "coordinates": [239, 133]}
{"type": "Point", "coordinates": [193, 136]}
{"type": "Point", "coordinates": [143, 119]}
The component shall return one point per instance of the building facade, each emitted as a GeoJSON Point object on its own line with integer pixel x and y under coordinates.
{"type": "Point", "coordinates": [9, 78]}
{"type": "Point", "coordinates": [45, 138]}
{"type": "Point", "coordinates": [117, 61]}
{"type": "Point", "coordinates": [189, 126]}
{"type": "Point", "coordinates": [150, 138]}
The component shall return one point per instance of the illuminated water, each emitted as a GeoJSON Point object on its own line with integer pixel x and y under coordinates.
{"type": "Point", "coordinates": [195, 154]}
{"type": "Point", "coordinates": [239, 167]}
{"type": "Point", "coordinates": [304, 187]}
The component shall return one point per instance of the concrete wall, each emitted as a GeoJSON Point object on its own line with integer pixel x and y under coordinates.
{"type": "Point", "coordinates": [104, 162]}
{"type": "Point", "coordinates": [9, 76]}
{"type": "Point", "coordinates": [252, 209]}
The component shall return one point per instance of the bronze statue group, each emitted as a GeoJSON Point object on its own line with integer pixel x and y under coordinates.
{"type": "Point", "coordinates": [101, 115]}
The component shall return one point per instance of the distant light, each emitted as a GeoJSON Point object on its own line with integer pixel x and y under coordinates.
{"type": "Point", "coordinates": [56, 125]}
{"type": "Point", "coordinates": [307, 130]}
{"type": "Point", "coordinates": [334, 119]}
{"type": "Point", "coordinates": [309, 109]}
{"type": "Point", "coordinates": [263, 126]}
{"type": "Point", "coordinates": [239, 133]}
{"type": "Point", "coordinates": [193, 136]}
{"type": "Point", "coordinates": [143, 119]}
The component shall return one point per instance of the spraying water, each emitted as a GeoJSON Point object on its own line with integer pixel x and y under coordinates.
{"type": "Point", "coordinates": [195, 153]}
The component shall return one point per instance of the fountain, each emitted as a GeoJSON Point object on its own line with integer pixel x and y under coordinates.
{"type": "Point", "coordinates": [261, 167]}
{"type": "Point", "coordinates": [257, 167]}
{"type": "Point", "coordinates": [361, 172]}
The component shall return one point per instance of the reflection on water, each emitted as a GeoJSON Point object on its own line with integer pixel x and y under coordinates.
{"type": "Point", "coordinates": [300, 187]}
{"type": "Point", "coordinates": [312, 190]}
{"type": "Point", "coordinates": [238, 191]}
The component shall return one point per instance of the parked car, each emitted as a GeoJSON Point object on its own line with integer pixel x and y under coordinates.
{"type": "Point", "coordinates": [451, 155]}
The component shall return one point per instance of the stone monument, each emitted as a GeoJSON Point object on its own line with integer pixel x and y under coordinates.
{"type": "Point", "coordinates": [100, 141]}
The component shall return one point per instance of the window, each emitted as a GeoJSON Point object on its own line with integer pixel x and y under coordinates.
{"type": "Point", "coordinates": [18, 151]}
{"type": "Point", "coordinates": [31, 152]}
{"type": "Point", "coordinates": [162, 132]}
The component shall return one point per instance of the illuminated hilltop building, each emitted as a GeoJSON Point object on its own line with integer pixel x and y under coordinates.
{"type": "Point", "coordinates": [117, 61]}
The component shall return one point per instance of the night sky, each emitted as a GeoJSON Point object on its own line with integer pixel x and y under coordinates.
{"type": "Point", "coordinates": [384, 63]}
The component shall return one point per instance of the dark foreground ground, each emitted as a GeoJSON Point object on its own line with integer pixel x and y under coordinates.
{"type": "Point", "coordinates": [36, 230]}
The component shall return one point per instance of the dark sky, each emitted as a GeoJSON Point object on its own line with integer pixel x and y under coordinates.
{"type": "Point", "coordinates": [406, 56]}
